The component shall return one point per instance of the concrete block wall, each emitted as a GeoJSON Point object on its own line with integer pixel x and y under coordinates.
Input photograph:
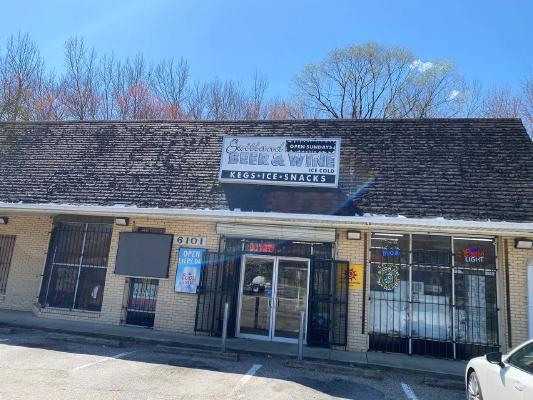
{"type": "Point", "coordinates": [27, 264]}
{"type": "Point", "coordinates": [353, 251]}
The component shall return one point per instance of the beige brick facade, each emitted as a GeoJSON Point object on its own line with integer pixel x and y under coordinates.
{"type": "Point", "coordinates": [176, 311]}
{"type": "Point", "coordinates": [518, 290]}
{"type": "Point", "coordinates": [27, 264]}
{"type": "Point", "coordinates": [353, 251]}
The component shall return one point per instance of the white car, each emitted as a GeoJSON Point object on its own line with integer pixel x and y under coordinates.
{"type": "Point", "coordinates": [497, 377]}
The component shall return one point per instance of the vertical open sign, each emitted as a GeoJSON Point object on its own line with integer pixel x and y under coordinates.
{"type": "Point", "coordinates": [189, 270]}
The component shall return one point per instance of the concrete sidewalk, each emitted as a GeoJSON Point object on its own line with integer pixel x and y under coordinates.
{"type": "Point", "coordinates": [417, 364]}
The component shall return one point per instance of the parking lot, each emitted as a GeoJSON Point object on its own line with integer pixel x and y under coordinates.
{"type": "Point", "coordinates": [35, 367]}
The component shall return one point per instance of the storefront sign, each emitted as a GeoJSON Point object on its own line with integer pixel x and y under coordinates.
{"type": "Point", "coordinates": [190, 241]}
{"type": "Point", "coordinates": [355, 277]}
{"type": "Point", "coordinates": [280, 161]}
{"type": "Point", "coordinates": [189, 269]}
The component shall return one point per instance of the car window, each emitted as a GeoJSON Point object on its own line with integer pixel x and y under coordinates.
{"type": "Point", "coordinates": [523, 358]}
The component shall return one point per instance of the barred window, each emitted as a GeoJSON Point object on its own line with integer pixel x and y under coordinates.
{"type": "Point", "coordinates": [7, 244]}
{"type": "Point", "coordinates": [76, 267]}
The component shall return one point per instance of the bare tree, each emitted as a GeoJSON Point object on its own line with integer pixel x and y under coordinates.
{"type": "Point", "coordinates": [433, 90]}
{"type": "Point", "coordinates": [255, 107]}
{"type": "Point", "coordinates": [79, 85]}
{"type": "Point", "coordinates": [501, 103]}
{"type": "Point", "coordinates": [133, 93]}
{"type": "Point", "coordinates": [170, 82]}
{"type": "Point", "coordinates": [45, 101]}
{"type": "Point", "coordinates": [197, 101]}
{"type": "Point", "coordinates": [19, 70]}
{"type": "Point", "coordinates": [471, 95]}
{"type": "Point", "coordinates": [372, 81]}
{"type": "Point", "coordinates": [283, 109]}
{"type": "Point", "coordinates": [225, 100]}
{"type": "Point", "coordinates": [107, 70]}
{"type": "Point", "coordinates": [527, 103]}
{"type": "Point", "coordinates": [355, 82]}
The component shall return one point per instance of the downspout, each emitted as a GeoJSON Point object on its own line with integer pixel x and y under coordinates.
{"type": "Point", "coordinates": [507, 294]}
{"type": "Point", "coordinates": [365, 261]}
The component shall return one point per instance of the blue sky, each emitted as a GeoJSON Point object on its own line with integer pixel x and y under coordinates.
{"type": "Point", "coordinates": [488, 40]}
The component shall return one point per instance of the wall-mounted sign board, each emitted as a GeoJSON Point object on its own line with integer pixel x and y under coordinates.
{"type": "Point", "coordinates": [199, 241]}
{"type": "Point", "coordinates": [280, 161]}
{"type": "Point", "coordinates": [354, 274]}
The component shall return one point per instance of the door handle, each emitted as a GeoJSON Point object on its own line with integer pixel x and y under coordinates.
{"type": "Point", "coordinates": [518, 386]}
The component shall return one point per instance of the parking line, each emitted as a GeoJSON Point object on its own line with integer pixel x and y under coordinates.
{"type": "Point", "coordinates": [244, 380]}
{"type": "Point", "coordinates": [116, 356]}
{"type": "Point", "coordinates": [409, 392]}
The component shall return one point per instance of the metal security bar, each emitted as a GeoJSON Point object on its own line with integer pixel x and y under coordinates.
{"type": "Point", "coordinates": [142, 298]}
{"type": "Point", "coordinates": [7, 245]}
{"type": "Point", "coordinates": [219, 284]}
{"type": "Point", "coordinates": [328, 303]}
{"type": "Point", "coordinates": [433, 302]}
{"type": "Point", "coordinates": [328, 291]}
{"type": "Point", "coordinates": [76, 266]}
{"type": "Point", "coordinates": [476, 312]}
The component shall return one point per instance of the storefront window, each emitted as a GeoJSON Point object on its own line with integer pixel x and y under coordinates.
{"type": "Point", "coordinates": [390, 248]}
{"type": "Point", "coordinates": [412, 296]}
{"type": "Point", "coordinates": [475, 290]}
{"type": "Point", "coordinates": [76, 267]}
{"type": "Point", "coordinates": [389, 286]}
{"type": "Point", "coordinates": [432, 250]}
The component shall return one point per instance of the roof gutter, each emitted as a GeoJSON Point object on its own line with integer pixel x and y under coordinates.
{"type": "Point", "coordinates": [374, 222]}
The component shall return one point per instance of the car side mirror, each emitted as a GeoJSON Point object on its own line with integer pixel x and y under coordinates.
{"type": "Point", "coordinates": [495, 358]}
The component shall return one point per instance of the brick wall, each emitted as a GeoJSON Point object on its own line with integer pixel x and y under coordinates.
{"type": "Point", "coordinates": [27, 264]}
{"type": "Point", "coordinates": [353, 251]}
{"type": "Point", "coordinates": [174, 311]}
{"type": "Point", "coordinates": [518, 260]}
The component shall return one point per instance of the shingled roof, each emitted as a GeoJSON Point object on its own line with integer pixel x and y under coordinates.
{"type": "Point", "coordinates": [471, 169]}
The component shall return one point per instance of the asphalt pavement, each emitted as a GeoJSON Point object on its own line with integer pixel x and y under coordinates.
{"type": "Point", "coordinates": [34, 366]}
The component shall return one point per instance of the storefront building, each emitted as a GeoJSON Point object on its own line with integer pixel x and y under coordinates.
{"type": "Point", "coordinates": [411, 236]}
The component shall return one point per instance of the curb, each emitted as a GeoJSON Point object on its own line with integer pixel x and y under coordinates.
{"type": "Point", "coordinates": [336, 369]}
{"type": "Point", "coordinates": [196, 352]}
{"type": "Point", "coordinates": [427, 375]}
{"type": "Point", "coordinates": [95, 340]}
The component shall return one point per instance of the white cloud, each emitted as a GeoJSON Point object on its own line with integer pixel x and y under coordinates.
{"type": "Point", "coordinates": [453, 94]}
{"type": "Point", "coordinates": [421, 66]}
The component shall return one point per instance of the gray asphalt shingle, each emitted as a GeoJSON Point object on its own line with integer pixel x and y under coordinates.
{"type": "Point", "coordinates": [474, 169]}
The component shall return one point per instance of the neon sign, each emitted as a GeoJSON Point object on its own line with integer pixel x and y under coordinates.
{"type": "Point", "coordinates": [261, 247]}
{"type": "Point", "coordinates": [392, 252]}
{"type": "Point", "coordinates": [474, 255]}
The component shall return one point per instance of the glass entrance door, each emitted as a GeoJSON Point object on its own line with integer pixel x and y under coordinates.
{"type": "Point", "coordinates": [291, 297]}
{"type": "Point", "coordinates": [256, 297]}
{"type": "Point", "coordinates": [273, 291]}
